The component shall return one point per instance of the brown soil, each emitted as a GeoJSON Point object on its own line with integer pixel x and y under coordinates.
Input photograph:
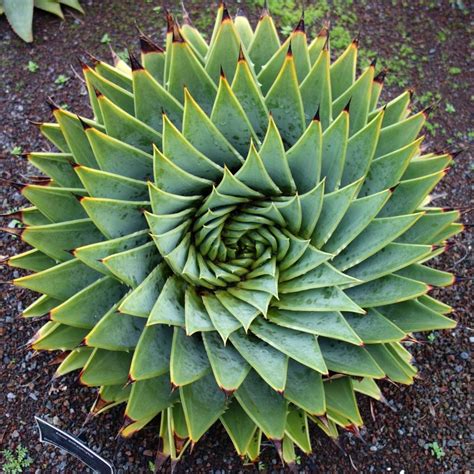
{"type": "Point", "coordinates": [436, 408]}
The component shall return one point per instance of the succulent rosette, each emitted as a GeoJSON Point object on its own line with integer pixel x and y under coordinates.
{"type": "Point", "coordinates": [239, 234]}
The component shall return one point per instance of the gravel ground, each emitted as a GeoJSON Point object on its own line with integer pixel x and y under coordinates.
{"type": "Point", "coordinates": [436, 408]}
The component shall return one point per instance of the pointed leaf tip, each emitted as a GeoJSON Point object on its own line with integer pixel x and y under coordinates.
{"type": "Point", "coordinates": [300, 27]}
{"type": "Point", "coordinates": [148, 46]}
{"type": "Point", "coordinates": [169, 21]}
{"type": "Point", "coordinates": [186, 17]}
{"type": "Point", "coordinates": [52, 105]}
{"type": "Point", "coordinates": [241, 54]}
{"type": "Point", "coordinates": [265, 10]}
{"type": "Point", "coordinates": [177, 37]}
{"type": "Point", "coordinates": [134, 62]}
{"type": "Point", "coordinates": [85, 125]}
{"type": "Point", "coordinates": [84, 66]}
{"type": "Point", "coordinates": [347, 106]}
{"type": "Point", "coordinates": [98, 94]}
{"type": "Point", "coordinates": [226, 15]}
{"type": "Point", "coordinates": [380, 77]}
{"type": "Point", "coordinates": [316, 117]}
{"type": "Point", "coordinates": [356, 40]}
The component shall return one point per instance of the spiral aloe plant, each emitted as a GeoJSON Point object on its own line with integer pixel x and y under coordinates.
{"type": "Point", "coordinates": [19, 13]}
{"type": "Point", "coordinates": [239, 234]}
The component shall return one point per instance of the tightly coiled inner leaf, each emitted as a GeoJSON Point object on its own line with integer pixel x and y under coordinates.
{"type": "Point", "coordinates": [240, 233]}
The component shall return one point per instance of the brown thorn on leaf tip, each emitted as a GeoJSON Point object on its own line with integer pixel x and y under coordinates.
{"type": "Point", "coordinates": [85, 125]}
{"type": "Point", "coordinates": [222, 73]}
{"type": "Point", "coordinates": [97, 92]}
{"type": "Point", "coordinates": [82, 64]}
{"type": "Point", "coordinates": [348, 105]}
{"type": "Point", "coordinates": [169, 21]}
{"type": "Point", "coordinates": [15, 184]}
{"type": "Point", "coordinates": [326, 43]}
{"type": "Point", "coordinates": [289, 53]}
{"type": "Point", "coordinates": [93, 58]}
{"type": "Point", "coordinates": [83, 343]}
{"type": "Point", "coordinates": [278, 447]}
{"type": "Point", "coordinates": [317, 117]}
{"type": "Point", "coordinates": [186, 17]}
{"type": "Point", "coordinates": [177, 37]}
{"type": "Point", "coordinates": [148, 46]}
{"type": "Point", "coordinates": [300, 26]}
{"type": "Point", "coordinates": [392, 189]}
{"type": "Point", "coordinates": [380, 77]}
{"type": "Point", "coordinates": [134, 62]}
{"type": "Point", "coordinates": [12, 215]}
{"type": "Point", "coordinates": [356, 40]}
{"type": "Point", "coordinates": [36, 124]}
{"type": "Point", "coordinates": [173, 387]}
{"type": "Point", "coordinates": [265, 10]}
{"type": "Point", "coordinates": [455, 153]}
{"type": "Point", "coordinates": [137, 27]}
{"type": "Point", "coordinates": [324, 31]}
{"type": "Point", "coordinates": [52, 105]}
{"type": "Point", "coordinates": [241, 54]}
{"type": "Point", "coordinates": [130, 380]}
{"type": "Point", "coordinates": [127, 421]}
{"type": "Point", "coordinates": [411, 92]}
{"type": "Point", "coordinates": [228, 393]}
{"type": "Point", "coordinates": [226, 15]}
{"type": "Point", "coordinates": [373, 63]}
{"type": "Point", "coordinates": [432, 107]}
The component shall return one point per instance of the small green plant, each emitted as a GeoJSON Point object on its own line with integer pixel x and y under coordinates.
{"type": "Point", "coordinates": [16, 461]}
{"type": "Point", "coordinates": [151, 466]}
{"type": "Point", "coordinates": [16, 150]}
{"type": "Point", "coordinates": [436, 450]}
{"type": "Point", "coordinates": [286, 30]}
{"type": "Point", "coordinates": [105, 39]}
{"type": "Point", "coordinates": [61, 80]}
{"type": "Point", "coordinates": [450, 108]}
{"type": "Point", "coordinates": [454, 71]}
{"type": "Point", "coordinates": [431, 337]}
{"type": "Point", "coordinates": [32, 66]}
